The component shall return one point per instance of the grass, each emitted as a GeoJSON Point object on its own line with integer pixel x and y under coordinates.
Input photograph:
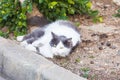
{"type": "Point", "coordinates": [85, 72]}
{"type": "Point", "coordinates": [77, 60]}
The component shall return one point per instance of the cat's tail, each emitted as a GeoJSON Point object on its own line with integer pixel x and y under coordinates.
{"type": "Point", "coordinates": [20, 38]}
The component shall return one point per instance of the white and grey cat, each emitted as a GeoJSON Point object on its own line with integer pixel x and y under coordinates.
{"type": "Point", "coordinates": [55, 39]}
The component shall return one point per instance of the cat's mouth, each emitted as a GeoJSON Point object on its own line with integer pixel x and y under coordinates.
{"type": "Point", "coordinates": [61, 47]}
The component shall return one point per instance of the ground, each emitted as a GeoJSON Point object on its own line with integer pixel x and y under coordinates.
{"type": "Point", "coordinates": [98, 56]}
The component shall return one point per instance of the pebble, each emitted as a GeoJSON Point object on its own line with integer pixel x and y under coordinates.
{"type": "Point", "coordinates": [91, 52]}
{"type": "Point", "coordinates": [118, 53]}
{"type": "Point", "coordinates": [108, 44]}
{"type": "Point", "coordinates": [117, 2]}
{"type": "Point", "coordinates": [102, 36]}
{"type": "Point", "coordinates": [91, 62]}
{"type": "Point", "coordinates": [113, 47]}
{"type": "Point", "coordinates": [102, 43]}
{"type": "Point", "coordinates": [100, 48]}
{"type": "Point", "coordinates": [76, 19]}
{"type": "Point", "coordinates": [99, 4]}
{"type": "Point", "coordinates": [86, 48]}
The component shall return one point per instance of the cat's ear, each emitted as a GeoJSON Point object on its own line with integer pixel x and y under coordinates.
{"type": "Point", "coordinates": [54, 35]}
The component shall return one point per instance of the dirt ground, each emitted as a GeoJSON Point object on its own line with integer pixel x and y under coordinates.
{"type": "Point", "coordinates": [98, 56]}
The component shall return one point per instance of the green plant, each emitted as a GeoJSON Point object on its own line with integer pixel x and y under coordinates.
{"type": "Point", "coordinates": [77, 60]}
{"type": "Point", "coordinates": [117, 14]}
{"type": "Point", "coordinates": [91, 56]}
{"type": "Point", "coordinates": [85, 72]}
{"type": "Point", "coordinates": [4, 34]}
{"type": "Point", "coordinates": [13, 15]}
{"type": "Point", "coordinates": [60, 9]}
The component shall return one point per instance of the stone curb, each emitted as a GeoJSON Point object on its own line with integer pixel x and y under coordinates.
{"type": "Point", "coordinates": [21, 64]}
{"type": "Point", "coordinates": [1, 78]}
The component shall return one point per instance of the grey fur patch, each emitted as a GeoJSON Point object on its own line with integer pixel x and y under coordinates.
{"type": "Point", "coordinates": [33, 36]}
{"type": "Point", "coordinates": [31, 40]}
{"type": "Point", "coordinates": [68, 24]}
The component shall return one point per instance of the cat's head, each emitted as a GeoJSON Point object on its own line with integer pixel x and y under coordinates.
{"type": "Point", "coordinates": [61, 45]}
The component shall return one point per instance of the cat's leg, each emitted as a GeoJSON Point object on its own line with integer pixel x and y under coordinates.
{"type": "Point", "coordinates": [28, 44]}
{"type": "Point", "coordinates": [24, 43]}
{"type": "Point", "coordinates": [28, 41]}
{"type": "Point", "coordinates": [37, 43]}
{"type": "Point", "coordinates": [24, 37]}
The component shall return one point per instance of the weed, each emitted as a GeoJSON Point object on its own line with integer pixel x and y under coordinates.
{"type": "Point", "coordinates": [91, 57]}
{"type": "Point", "coordinates": [77, 60]}
{"type": "Point", "coordinates": [117, 14]}
{"type": "Point", "coordinates": [85, 72]}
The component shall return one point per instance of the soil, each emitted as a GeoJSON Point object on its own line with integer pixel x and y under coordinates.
{"type": "Point", "coordinates": [98, 56]}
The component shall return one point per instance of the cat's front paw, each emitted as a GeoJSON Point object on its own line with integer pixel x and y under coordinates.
{"type": "Point", "coordinates": [48, 56]}
{"type": "Point", "coordinates": [19, 38]}
{"type": "Point", "coordinates": [31, 48]}
{"type": "Point", "coordinates": [24, 43]}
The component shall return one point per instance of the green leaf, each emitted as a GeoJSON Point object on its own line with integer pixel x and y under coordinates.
{"type": "Point", "coordinates": [5, 17]}
{"type": "Point", "coordinates": [71, 10]}
{"type": "Point", "coordinates": [71, 2]}
{"type": "Point", "coordinates": [93, 13]}
{"type": "Point", "coordinates": [52, 4]}
{"type": "Point", "coordinates": [41, 1]}
{"type": "Point", "coordinates": [29, 8]}
{"type": "Point", "coordinates": [118, 10]}
{"type": "Point", "coordinates": [89, 5]}
{"type": "Point", "coordinates": [3, 12]}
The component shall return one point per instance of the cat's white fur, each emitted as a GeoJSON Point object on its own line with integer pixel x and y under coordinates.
{"type": "Point", "coordinates": [45, 49]}
{"type": "Point", "coordinates": [20, 38]}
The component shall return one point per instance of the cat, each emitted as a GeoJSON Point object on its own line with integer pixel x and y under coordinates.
{"type": "Point", "coordinates": [55, 39]}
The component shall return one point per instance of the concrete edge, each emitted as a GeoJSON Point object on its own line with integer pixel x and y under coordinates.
{"type": "Point", "coordinates": [21, 64]}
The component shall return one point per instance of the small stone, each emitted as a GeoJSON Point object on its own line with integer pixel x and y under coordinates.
{"type": "Point", "coordinates": [113, 47]}
{"type": "Point", "coordinates": [99, 4]}
{"type": "Point", "coordinates": [100, 48]}
{"type": "Point", "coordinates": [91, 52]}
{"type": "Point", "coordinates": [118, 53]}
{"type": "Point", "coordinates": [102, 43]}
{"type": "Point", "coordinates": [108, 44]}
{"type": "Point", "coordinates": [106, 6]}
{"type": "Point", "coordinates": [86, 48]}
{"type": "Point", "coordinates": [76, 19]}
{"type": "Point", "coordinates": [91, 62]}
{"type": "Point", "coordinates": [102, 36]}
{"type": "Point", "coordinates": [118, 64]}
{"type": "Point", "coordinates": [117, 2]}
